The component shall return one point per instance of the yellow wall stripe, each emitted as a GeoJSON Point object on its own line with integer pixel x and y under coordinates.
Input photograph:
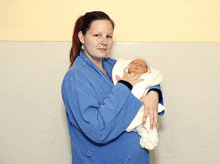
{"type": "Point", "coordinates": [136, 21]}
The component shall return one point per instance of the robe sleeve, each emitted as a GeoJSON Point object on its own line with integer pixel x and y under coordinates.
{"type": "Point", "coordinates": [99, 121]}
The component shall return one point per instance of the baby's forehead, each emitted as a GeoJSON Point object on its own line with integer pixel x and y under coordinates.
{"type": "Point", "coordinates": [139, 61]}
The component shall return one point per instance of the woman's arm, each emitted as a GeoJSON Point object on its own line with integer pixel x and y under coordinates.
{"type": "Point", "coordinates": [99, 121]}
{"type": "Point", "coordinates": [150, 101]}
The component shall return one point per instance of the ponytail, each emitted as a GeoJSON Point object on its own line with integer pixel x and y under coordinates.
{"type": "Point", "coordinates": [76, 44]}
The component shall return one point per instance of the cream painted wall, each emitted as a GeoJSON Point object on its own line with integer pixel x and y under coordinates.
{"type": "Point", "coordinates": [136, 21]}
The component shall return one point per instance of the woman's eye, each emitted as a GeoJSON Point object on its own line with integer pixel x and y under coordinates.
{"type": "Point", "coordinates": [109, 36]}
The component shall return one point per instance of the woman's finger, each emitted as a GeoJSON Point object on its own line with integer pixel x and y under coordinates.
{"type": "Point", "coordinates": [131, 78]}
{"type": "Point", "coordinates": [156, 121]}
{"type": "Point", "coordinates": [139, 80]}
{"type": "Point", "coordinates": [144, 118]}
{"type": "Point", "coordinates": [126, 74]}
{"type": "Point", "coordinates": [117, 78]}
{"type": "Point", "coordinates": [132, 74]}
{"type": "Point", "coordinates": [156, 118]}
{"type": "Point", "coordinates": [152, 119]}
{"type": "Point", "coordinates": [146, 112]}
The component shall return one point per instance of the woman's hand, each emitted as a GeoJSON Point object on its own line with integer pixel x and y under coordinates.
{"type": "Point", "coordinates": [150, 102]}
{"type": "Point", "coordinates": [131, 78]}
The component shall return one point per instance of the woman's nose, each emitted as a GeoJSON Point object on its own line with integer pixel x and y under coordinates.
{"type": "Point", "coordinates": [104, 41]}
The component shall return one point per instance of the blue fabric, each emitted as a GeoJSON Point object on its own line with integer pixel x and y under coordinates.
{"type": "Point", "coordinates": [98, 113]}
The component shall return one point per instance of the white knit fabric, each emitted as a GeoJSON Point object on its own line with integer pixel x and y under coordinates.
{"type": "Point", "coordinates": [149, 138]}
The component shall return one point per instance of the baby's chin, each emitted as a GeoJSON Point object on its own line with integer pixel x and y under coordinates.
{"type": "Point", "coordinates": [136, 72]}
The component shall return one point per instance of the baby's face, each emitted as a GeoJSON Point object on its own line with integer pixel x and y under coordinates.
{"type": "Point", "coordinates": [138, 67]}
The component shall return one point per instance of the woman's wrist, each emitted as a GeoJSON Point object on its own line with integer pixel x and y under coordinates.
{"type": "Point", "coordinates": [126, 84]}
{"type": "Point", "coordinates": [158, 91]}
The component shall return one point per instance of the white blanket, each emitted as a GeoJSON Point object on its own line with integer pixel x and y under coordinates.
{"type": "Point", "coordinates": [149, 138]}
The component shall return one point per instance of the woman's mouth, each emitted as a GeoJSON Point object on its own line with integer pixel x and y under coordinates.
{"type": "Point", "coordinates": [102, 49]}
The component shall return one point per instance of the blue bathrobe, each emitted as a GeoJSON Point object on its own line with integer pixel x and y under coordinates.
{"type": "Point", "coordinates": [98, 114]}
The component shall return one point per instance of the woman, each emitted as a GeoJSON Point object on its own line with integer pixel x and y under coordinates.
{"type": "Point", "coordinates": [97, 111]}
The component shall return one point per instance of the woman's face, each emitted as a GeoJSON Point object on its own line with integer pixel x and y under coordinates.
{"type": "Point", "coordinates": [98, 40]}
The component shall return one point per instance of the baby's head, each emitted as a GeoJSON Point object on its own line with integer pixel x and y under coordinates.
{"type": "Point", "coordinates": [138, 66]}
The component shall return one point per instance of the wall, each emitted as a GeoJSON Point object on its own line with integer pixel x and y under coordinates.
{"type": "Point", "coordinates": [136, 21]}
{"type": "Point", "coordinates": [179, 38]}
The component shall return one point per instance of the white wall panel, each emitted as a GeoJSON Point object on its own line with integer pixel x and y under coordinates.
{"type": "Point", "coordinates": [33, 126]}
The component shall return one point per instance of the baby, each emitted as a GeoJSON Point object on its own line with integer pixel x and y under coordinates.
{"type": "Point", "coordinates": [149, 138]}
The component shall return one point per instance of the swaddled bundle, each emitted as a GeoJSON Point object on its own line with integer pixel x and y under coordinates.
{"type": "Point", "coordinates": [149, 138]}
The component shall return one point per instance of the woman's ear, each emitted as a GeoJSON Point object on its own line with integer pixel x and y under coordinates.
{"type": "Point", "coordinates": [81, 37]}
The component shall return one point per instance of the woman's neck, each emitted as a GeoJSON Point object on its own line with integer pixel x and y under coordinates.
{"type": "Point", "coordinates": [100, 66]}
{"type": "Point", "coordinates": [97, 62]}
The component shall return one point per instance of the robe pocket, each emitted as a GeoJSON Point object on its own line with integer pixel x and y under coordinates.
{"type": "Point", "coordinates": [126, 161]}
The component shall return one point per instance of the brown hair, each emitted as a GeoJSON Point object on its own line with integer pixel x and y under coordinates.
{"type": "Point", "coordinates": [83, 24]}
